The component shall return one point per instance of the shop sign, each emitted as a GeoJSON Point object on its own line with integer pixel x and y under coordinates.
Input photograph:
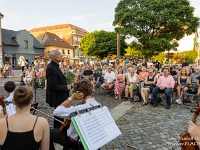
{"type": "Point", "coordinates": [39, 56]}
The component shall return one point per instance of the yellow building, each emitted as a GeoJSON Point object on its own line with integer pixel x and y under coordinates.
{"type": "Point", "coordinates": [51, 41]}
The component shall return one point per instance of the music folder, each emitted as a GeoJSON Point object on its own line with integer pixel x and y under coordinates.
{"type": "Point", "coordinates": [95, 127]}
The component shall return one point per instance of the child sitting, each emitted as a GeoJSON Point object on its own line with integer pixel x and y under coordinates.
{"type": "Point", "coordinates": [9, 87]}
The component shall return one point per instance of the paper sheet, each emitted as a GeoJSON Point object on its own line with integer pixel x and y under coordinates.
{"type": "Point", "coordinates": [97, 128]}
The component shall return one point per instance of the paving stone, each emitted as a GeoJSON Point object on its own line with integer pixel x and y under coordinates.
{"type": "Point", "coordinates": [142, 127]}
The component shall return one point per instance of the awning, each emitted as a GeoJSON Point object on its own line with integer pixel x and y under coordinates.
{"type": "Point", "coordinates": [74, 58]}
{"type": "Point", "coordinates": [39, 56]}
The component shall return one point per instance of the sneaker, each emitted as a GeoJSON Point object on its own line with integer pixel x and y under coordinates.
{"type": "Point", "coordinates": [167, 107]}
{"type": "Point", "coordinates": [149, 96]}
{"type": "Point", "coordinates": [178, 101]}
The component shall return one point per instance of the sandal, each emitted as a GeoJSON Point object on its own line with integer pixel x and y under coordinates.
{"type": "Point", "coordinates": [144, 103]}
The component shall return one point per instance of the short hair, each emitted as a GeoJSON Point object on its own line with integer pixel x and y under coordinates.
{"type": "Point", "coordinates": [51, 52]}
{"type": "Point", "coordinates": [84, 86]}
{"type": "Point", "coordinates": [23, 96]}
{"type": "Point", "coordinates": [166, 68]}
{"type": "Point", "coordinates": [9, 86]}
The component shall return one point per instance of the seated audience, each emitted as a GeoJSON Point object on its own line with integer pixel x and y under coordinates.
{"type": "Point", "coordinates": [164, 84]}
{"type": "Point", "coordinates": [173, 72]}
{"type": "Point", "coordinates": [37, 72]}
{"type": "Point", "coordinates": [182, 80]}
{"type": "Point", "coordinates": [23, 73]}
{"type": "Point", "coordinates": [143, 74]}
{"type": "Point", "coordinates": [22, 130]}
{"type": "Point", "coordinates": [194, 75]}
{"type": "Point", "coordinates": [97, 78]}
{"type": "Point", "coordinates": [109, 79]}
{"type": "Point", "coordinates": [132, 79]}
{"type": "Point", "coordinates": [28, 76]}
{"type": "Point", "coordinates": [83, 93]}
{"type": "Point", "coordinates": [88, 73]}
{"type": "Point", "coordinates": [9, 87]}
{"type": "Point", "coordinates": [149, 84]}
{"type": "Point", "coordinates": [42, 76]}
{"type": "Point", "coordinates": [119, 84]}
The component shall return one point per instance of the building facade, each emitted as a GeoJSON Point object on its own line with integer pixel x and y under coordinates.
{"type": "Point", "coordinates": [67, 32]}
{"type": "Point", "coordinates": [20, 43]}
{"type": "Point", "coordinates": [52, 41]}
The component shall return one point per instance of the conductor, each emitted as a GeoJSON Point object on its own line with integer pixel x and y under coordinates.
{"type": "Point", "coordinates": [57, 88]}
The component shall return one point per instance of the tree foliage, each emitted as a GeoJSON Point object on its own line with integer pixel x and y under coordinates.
{"type": "Point", "coordinates": [189, 56]}
{"type": "Point", "coordinates": [133, 52]}
{"type": "Point", "coordinates": [101, 44]}
{"type": "Point", "coordinates": [157, 24]}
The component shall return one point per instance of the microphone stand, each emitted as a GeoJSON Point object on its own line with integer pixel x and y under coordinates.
{"type": "Point", "coordinates": [35, 86]}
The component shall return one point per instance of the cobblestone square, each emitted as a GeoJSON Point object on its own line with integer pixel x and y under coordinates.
{"type": "Point", "coordinates": [142, 127]}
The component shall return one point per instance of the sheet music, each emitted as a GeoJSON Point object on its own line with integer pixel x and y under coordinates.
{"type": "Point", "coordinates": [98, 128]}
{"type": "Point", "coordinates": [11, 109]}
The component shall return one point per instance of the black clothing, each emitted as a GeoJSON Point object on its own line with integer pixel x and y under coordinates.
{"type": "Point", "coordinates": [138, 71]}
{"type": "Point", "coordinates": [173, 73]}
{"type": "Point", "coordinates": [157, 65]}
{"type": "Point", "coordinates": [20, 140]}
{"type": "Point", "coordinates": [57, 91]}
{"type": "Point", "coordinates": [61, 138]}
{"type": "Point", "coordinates": [185, 64]}
{"type": "Point", "coordinates": [87, 72]}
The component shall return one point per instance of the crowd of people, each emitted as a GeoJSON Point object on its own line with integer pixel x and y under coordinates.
{"type": "Point", "coordinates": [122, 78]}
{"type": "Point", "coordinates": [32, 75]}
{"type": "Point", "coordinates": [118, 78]}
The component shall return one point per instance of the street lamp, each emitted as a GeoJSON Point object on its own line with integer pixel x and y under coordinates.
{"type": "Point", "coordinates": [118, 40]}
{"type": "Point", "coordinates": [1, 47]}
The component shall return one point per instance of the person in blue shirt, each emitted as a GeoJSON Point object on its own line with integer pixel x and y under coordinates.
{"type": "Point", "coordinates": [97, 78]}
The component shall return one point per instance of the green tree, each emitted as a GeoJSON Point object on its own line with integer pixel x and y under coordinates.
{"type": "Point", "coordinates": [155, 23]}
{"type": "Point", "coordinates": [132, 52]}
{"type": "Point", "coordinates": [101, 44]}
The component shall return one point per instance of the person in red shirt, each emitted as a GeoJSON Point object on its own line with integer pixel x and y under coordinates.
{"type": "Point", "coordinates": [143, 74]}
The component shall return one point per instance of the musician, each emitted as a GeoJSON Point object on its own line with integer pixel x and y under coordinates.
{"type": "Point", "coordinates": [23, 130]}
{"type": "Point", "coordinates": [83, 93]}
{"type": "Point", "coordinates": [194, 131]}
{"type": "Point", "coordinates": [57, 88]}
{"type": "Point", "coordinates": [9, 87]}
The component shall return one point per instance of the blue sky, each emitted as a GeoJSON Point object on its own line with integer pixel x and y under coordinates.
{"type": "Point", "coordinates": [88, 14]}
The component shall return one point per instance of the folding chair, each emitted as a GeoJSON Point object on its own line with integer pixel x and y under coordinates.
{"type": "Point", "coordinates": [191, 94]}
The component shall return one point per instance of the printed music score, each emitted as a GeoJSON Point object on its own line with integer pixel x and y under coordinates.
{"type": "Point", "coordinates": [97, 128]}
{"type": "Point", "coordinates": [11, 109]}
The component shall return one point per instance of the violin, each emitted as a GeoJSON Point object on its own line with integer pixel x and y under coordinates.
{"type": "Point", "coordinates": [186, 141]}
{"type": "Point", "coordinates": [2, 103]}
{"type": "Point", "coordinates": [65, 125]}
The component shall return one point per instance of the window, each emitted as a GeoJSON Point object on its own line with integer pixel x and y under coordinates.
{"type": "Point", "coordinates": [25, 44]}
{"type": "Point", "coordinates": [68, 51]}
{"type": "Point", "coordinates": [63, 51]}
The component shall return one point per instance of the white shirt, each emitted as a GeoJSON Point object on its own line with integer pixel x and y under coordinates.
{"type": "Point", "coordinates": [41, 69]}
{"type": "Point", "coordinates": [23, 63]}
{"type": "Point", "coordinates": [109, 76]}
{"type": "Point", "coordinates": [10, 97]}
{"type": "Point", "coordinates": [64, 112]}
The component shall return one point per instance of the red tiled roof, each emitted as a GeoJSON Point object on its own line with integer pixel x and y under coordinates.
{"type": "Point", "coordinates": [78, 29]}
{"type": "Point", "coordinates": [50, 39]}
